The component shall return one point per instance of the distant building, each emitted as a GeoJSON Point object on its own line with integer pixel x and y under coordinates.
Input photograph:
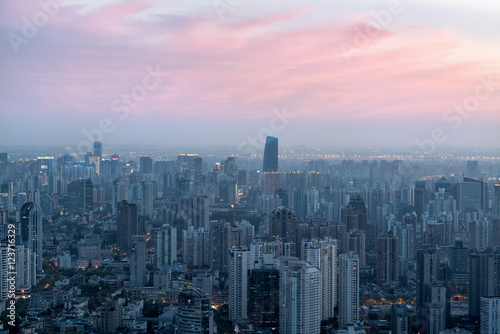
{"type": "Point", "coordinates": [490, 315]}
{"type": "Point", "coordinates": [138, 275]}
{"type": "Point", "coordinates": [399, 319]}
{"type": "Point", "coordinates": [271, 155]}
{"type": "Point", "coordinates": [239, 264]}
{"type": "Point", "coordinates": [146, 165]}
{"type": "Point", "coordinates": [98, 149]}
{"type": "Point", "coordinates": [80, 197]}
{"type": "Point", "coordinates": [127, 224]}
{"type": "Point", "coordinates": [348, 289]}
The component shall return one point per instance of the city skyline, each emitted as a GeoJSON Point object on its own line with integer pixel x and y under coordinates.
{"type": "Point", "coordinates": [392, 71]}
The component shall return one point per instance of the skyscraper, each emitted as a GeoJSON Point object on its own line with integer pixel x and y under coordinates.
{"type": "Point", "coordinates": [194, 312]}
{"type": "Point", "coordinates": [98, 149]}
{"type": "Point", "coordinates": [127, 224]}
{"type": "Point", "coordinates": [348, 289]}
{"type": "Point", "coordinates": [300, 297]}
{"type": "Point", "coordinates": [283, 226]}
{"type": "Point", "coordinates": [387, 259]}
{"type": "Point", "coordinates": [165, 242]}
{"type": "Point", "coordinates": [263, 297]}
{"type": "Point", "coordinates": [459, 265]}
{"type": "Point", "coordinates": [322, 254]}
{"type": "Point", "coordinates": [32, 231]}
{"type": "Point", "coordinates": [427, 272]}
{"type": "Point", "coordinates": [239, 264]}
{"type": "Point", "coordinates": [271, 155]}
{"type": "Point", "coordinates": [484, 278]}
{"type": "Point", "coordinates": [138, 261]}
{"type": "Point", "coordinates": [80, 196]}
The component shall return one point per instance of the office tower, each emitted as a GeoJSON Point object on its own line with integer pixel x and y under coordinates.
{"type": "Point", "coordinates": [484, 278]}
{"type": "Point", "coordinates": [165, 243]}
{"type": "Point", "coordinates": [227, 191]}
{"type": "Point", "coordinates": [300, 297]}
{"type": "Point", "coordinates": [98, 149]}
{"type": "Point", "coordinates": [80, 197]}
{"type": "Point", "coordinates": [146, 165]}
{"type": "Point", "coordinates": [219, 245]}
{"type": "Point", "coordinates": [271, 155]}
{"type": "Point", "coordinates": [472, 195]}
{"type": "Point", "coordinates": [110, 317]}
{"type": "Point", "coordinates": [348, 289]}
{"type": "Point", "coordinates": [459, 265]}
{"type": "Point", "coordinates": [472, 169]}
{"type": "Point", "coordinates": [283, 226]}
{"type": "Point", "coordinates": [32, 232]}
{"type": "Point", "coordinates": [239, 264]}
{"type": "Point", "coordinates": [147, 199]}
{"type": "Point", "coordinates": [263, 297]}
{"type": "Point", "coordinates": [387, 259]}
{"type": "Point", "coordinates": [194, 312]}
{"type": "Point", "coordinates": [231, 167]}
{"type": "Point", "coordinates": [490, 315]}
{"type": "Point", "coordinates": [322, 254]}
{"type": "Point", "coordinates": [399, 319]}
{"type": "Point", "coordinates": [8, 188]}
{"type": "Point", "coordinates": [127, 224]}
{"type": "Point", "coordinates": [427, 272]}
{"type": "Point", "coordinates": [436, 302]}
{"type": "Point", "coordinates": [138, 276]}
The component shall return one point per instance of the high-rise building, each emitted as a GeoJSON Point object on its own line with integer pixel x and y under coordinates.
{"type": "Point", "coordinates": [490, 315]}
{"type": "Point", "coordinates": [300, 297]}
{"type": "Point", "coordinates": [239, 264]}
{"type": "Point", "coordinates": [435, 312]}
{"type": "Point", "coordinates": [472, 195]}
{"type": "Point", "coordinates": [472, 169]}
{"type": "Point", "coordinates": [283, 226]}
{"type": "Point", "coordinates": [80, 197]}
{"type": "Point", "coordinates": [322, 254]}
{"type": "Point", "coordinates": [194, 312]}
{"type": "Point", "coordinates": [146, 165]}
{"type": "Point", "coordinates": [127, 224]}
{"type": "Point", "coordinates": [459, 265]}
{"type": "Point", "coordinates": [263, 297]}
{"type": "Point", "coordinates": [32, 232]}
{"type": "Point", "coordinates": [98, 149]}
{"type": "Point", "coordinates": [387, 271]}
{"type": "Point", "coordinates": [165, 243]}
{"type": "Point", "coordinates": [271, 155]}
{"type": "Point", "coordinates": [218, 244]}
{"type": "Point", "coordinates": [420, 198]}
{"type": "Point", "coordinates": [138, 261]}
{"type": "Point", "coordinates": [484, 278]}
{"type": "Point", "coordinates": [147, 198]}
{"type": "Point", "coordinates": [427, 272]}
{"type": "Point", "coordinates": [348, 289]}
{"type": "Point", "coordinates": [399, 319]}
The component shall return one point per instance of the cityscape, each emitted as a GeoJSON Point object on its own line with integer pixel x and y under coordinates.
{"type": "Point", "coordinates": [254, 167]}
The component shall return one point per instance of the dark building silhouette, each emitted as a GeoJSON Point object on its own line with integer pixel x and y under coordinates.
{"type": "Point", "coordinates": [127, 224]}
{"type": "Point", "coordinates": [283, 226]}
{"type": "Point", "coordinates": [271, 155]}
{"type": "Point", "coordinates": [399, 319]}
{"type": "Point", "coordinates": [32, 231]}
{"type": "Point", "coordinates": [459, 266]}
{"type": "Point", "coordinates": [387, 259]}
{"type": "Point", "coordinates": [80, 197]}
{"type": "Point", "coordinates": [427, 272]}
{"type": "Point", "coordinates": [263, 297]}
{"type": "Point", "coordinates": [420, 198]}
{"type": "Point", "coordinates": [484, 278]}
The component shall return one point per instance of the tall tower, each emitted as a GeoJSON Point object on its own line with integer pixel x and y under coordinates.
{"type": "Point", "coordinates": [165, 241]}
{"type": "Point", "coordinates": [484, 278]}
{"type": "Point", "coordinates": [283, 225]}
{"type": "Point", "coordinates": [195, 314]}
{"type": "Point", "coordinates": [271, 155]}
{"type": "Point", "coordinates": [490, 309]}
{"type": "Point", "coordinates": [138, 261]}
{"type": "Point", "coordinates": [387, 259]}
{"type": "Point", "coordinates": [32, 232]}
{"type": "Point", "coordinates": [348, 289]}
{"type": "Point", "coordinates": [239, 264]}
{"type": "Point", "coordinates": [399, 319]}
{"type": "Point", "coordinates": [127, 224]}
{"type": "Point", "coordinates": [98, 149]}
{"type": "Point", "coordinates": [300, 297]}
{"type": "Point", "coordinates": [427, 272]}
{"type": "Point", "coordinates": [322, 254]}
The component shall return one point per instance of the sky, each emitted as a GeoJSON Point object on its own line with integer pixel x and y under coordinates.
{"type": "Point", "coordinates": [230, 72]}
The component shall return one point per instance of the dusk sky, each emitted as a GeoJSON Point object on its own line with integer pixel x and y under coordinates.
{"type": "Point", "coordinates": [349, 72]}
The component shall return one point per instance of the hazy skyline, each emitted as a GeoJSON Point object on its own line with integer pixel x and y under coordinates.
{"type": "Point", "coordinates": [344, 81]}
